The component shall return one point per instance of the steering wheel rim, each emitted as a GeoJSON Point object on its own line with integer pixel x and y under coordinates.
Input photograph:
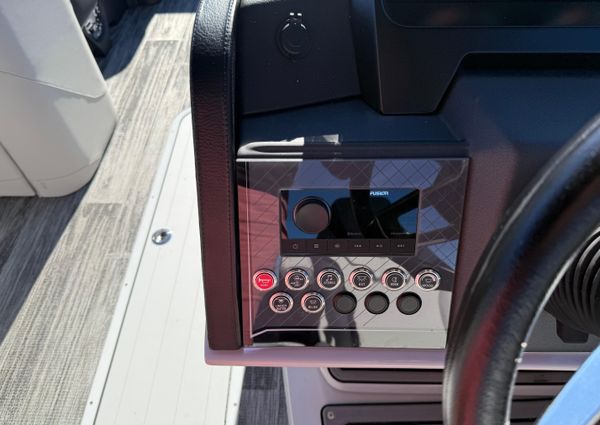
{"type": "Point", "coordinates": [516, 275]}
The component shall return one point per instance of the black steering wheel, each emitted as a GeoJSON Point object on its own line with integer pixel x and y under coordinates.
{"type": "Point", "coordinates": [522, 265]}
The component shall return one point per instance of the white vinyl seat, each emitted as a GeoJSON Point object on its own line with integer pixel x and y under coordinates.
{"type": "Point", "coordinates": [56, 116]}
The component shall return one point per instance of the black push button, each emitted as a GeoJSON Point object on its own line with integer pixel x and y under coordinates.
{"type": "Point", "coordinates": [428, 280]}
{"type": "Point", "coordinates": [376, 303]}
{"type": "Point", "coordinates": [402, 247]}
{"type": "Point", "coordinates": [292, 246]}
{"type": "Point", "coordinates": [358, 246]}
{"type": "Point", "coordinates": [395, 278]}
{"type": "Point", "coordinates": [313, 302]}
{"type": "Point", "coordinates": [336, 246]}
{"type": "Point", "coordinates": [296, 279]}
{"type": "Point", "coordinates": [344, 303]}
{"type": "Point", "coordinates": [380, 246]}
{"type": "Point", "coordinates": [329, 279]}
{"type": "Point", "coordinates": [361, 278]}
{"type": "Point", "coordinates": [316, 247]}
{"type": "Point", "coordinates": [281, 302]}
{"type": "Point", "coordinates": [409, 303]}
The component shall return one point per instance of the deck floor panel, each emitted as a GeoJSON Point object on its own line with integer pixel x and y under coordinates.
{"type": "Point", "coordinates": [157, 375]}
{"type": "Point", "coordinates": [62, 261]}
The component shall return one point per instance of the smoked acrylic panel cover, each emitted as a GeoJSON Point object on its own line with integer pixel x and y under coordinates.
{"type": "Point", "coordinates": [441, 183]}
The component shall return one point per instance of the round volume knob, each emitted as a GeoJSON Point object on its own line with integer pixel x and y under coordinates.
{"type": "Point", "coordinates": [312, 215]}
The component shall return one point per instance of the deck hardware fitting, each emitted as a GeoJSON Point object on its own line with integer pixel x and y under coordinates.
{"type": "Point", "coordinates": [161, 236]}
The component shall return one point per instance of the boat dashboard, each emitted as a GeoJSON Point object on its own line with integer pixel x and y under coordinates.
{"type": "Point", "coordinates": [355, 158]}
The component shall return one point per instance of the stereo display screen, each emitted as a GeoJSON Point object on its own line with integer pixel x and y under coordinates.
{"type": "Point", "coordinates": [349, 221]}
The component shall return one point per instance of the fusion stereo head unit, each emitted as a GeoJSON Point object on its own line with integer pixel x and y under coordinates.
{"type": "Point", "coordinates": [346, 221]}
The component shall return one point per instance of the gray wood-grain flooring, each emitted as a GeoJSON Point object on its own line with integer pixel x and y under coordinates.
{"type": "Point", "coordinates": [62, 260]}
{"type": "Point", "coordinates": [263, 397]}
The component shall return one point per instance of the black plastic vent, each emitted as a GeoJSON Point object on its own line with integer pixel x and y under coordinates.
{"type": "Point", "coordinates": [522, 412]}
{"type": "Point", "coordinates": [436, 376]}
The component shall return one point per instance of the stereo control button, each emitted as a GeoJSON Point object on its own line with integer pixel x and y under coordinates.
{"type": "Point", "coordinates": [292, 246]}
{"type": "Point", "coordinates": [395, 278]}
{"type": "Point", "coordinates": [358, 246]}
{"type": "Point", "coordinates": [296, 279]}
{"type": "Point", "coordinates": [329, 279]}
{"type": "Point", "coordinates": [402, 247]}
{"type": "Point", "coordinates": [361, 278]}
{"type": "Point", "coordinates": [281, 302]}
{"type": "Point", "coordinates": [313, 302]}
{"type": "Point", "coordinates": [428, 280]}
{"type": "Point", "coordinates": [264, 280]}
{"type": "Point", "coordinates": [380, 246]}
{"type": "Point", "coordinates": [336, 246]}
{"type": "Point", "coordinates": [316, 246]}
{"type": "Point", "coordinates": [312, 215]}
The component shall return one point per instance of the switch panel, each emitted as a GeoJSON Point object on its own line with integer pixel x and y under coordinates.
{"type": "Point", "coordinates": [349, 252]}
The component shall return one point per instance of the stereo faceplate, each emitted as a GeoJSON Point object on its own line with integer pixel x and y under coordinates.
{"type": "Point", "coordinates": [358, 298]}
{"type": "Point", "coordinates": [349, 221]}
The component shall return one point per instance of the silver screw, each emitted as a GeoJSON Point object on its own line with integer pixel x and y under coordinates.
{"type": "Point", "coordinates": [330, 415]}
{"type": "Point", "coordinates": [161, 236]}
